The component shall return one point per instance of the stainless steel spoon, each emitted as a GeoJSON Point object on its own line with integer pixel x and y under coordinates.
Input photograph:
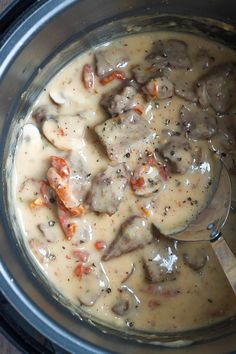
{"type": "Point", "coordinates": [209, 222]}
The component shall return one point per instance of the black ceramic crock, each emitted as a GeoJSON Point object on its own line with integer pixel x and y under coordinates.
{"type": "Point", "coordinates": [37, 39]}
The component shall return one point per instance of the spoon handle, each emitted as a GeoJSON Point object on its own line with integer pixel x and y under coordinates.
{"type": "Point", "coordinates": [227, 260]}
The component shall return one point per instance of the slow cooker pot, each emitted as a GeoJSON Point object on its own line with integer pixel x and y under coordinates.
{"type": "Point", "coordinates": [38, 40]}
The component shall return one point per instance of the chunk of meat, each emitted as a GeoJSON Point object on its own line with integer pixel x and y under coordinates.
{"type": "Point", "coordinates": [170, 52]}
{"type": "Point", "coordinates": [48, 232]}
{"type": "Point", "coordinates": [121, 102]}
{"type": "Point", "coordinates": [160, 261]}
{"type": "Point", "coordinates": [124, 134]}
{"type": "Point", "coordinates": [108, 189]}
{"type": "Point", "coordinates": [195, 258]}
{"type": "Point", "coordinates": [43, 112]}
{"type": "Point", "coordinates": [80, 178]}
{"type": "Point", "coordinates": [184, 89]}
{"type": "Point", "coordinates": [143, 73]}
{"type": "Point", "coordinates": [110, 59]}
{"type": "Point", "coordinates": [217, 87]}
{"type": "Point", "coordinates": [91, 285]}
{"type": "Point", "coordinates": [151, 177]}
{"type": "Point", "coordinates": [203, 59]}
{"type": "Point", "coordinates": [198, 124]}
{"type": "Point", "coordinates": [134, 233]}
{"type": "Point", "coordinates": [225, 140]}
{"type": "Point", "coordinates": [159, 88]}
{"type": "Point", "coordinates": [179, 155]}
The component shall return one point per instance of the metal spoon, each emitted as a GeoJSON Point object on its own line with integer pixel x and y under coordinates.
{"type": "Point", "coordinates": [209, 222]}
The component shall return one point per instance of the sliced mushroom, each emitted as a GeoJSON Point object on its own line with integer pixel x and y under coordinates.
{"type": "Point", "coordinates": [80, 178]}
{"type": "Point", "coordinates": [108, 189]}
{"type": "Point", "coordinates": [127, 302]}
{"type": "Point", "coordinates": [49, 233]}
{"type": "Point", "coordinates": [44, 112]}
{"type": "Point", "coordinates": [110, 59]}
{"type": "Point", "coordinates": [198, 124]}
{"type": "Point", "coordinates": [41, 251]}
{"type": "Point", "coordinates": [134, 233]}
{"type": "Point", "coordinates": [57, 97]}
{"type": "Point", "coordinates": [124, 134]}
{"type": "Point", "coordinates": [178, 153]}
{"type": "Point", "coordinates": [121, 307]}
{"type": "Point", "coordinates": [160, 261]}
{"type": "Point", "coordinates": [196, 258]}
{"type": "Point", "coordinates": [31, 137]}
{"type": "Point", "coordinates": [29, 190]}
{"type": "Point", "coordinates": [217, 87]}
{"type": "Point", "coordinates": [91, 285]}
{"type": "Point", "coordinates": [159, 88]}
{"type": "Point", "coordinates": [170, 52]}
{"type": "Point", "coordinates": [61, 131]}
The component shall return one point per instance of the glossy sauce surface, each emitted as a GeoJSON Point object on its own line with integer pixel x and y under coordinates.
{"type": "Point", "coordinates": [187, 288]}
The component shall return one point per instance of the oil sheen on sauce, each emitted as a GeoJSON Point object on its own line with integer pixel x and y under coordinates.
{"type": "Point", "coordinates": [158, 180]}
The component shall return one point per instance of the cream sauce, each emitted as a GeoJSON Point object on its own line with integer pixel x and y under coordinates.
{"type": "Point", "coordinates": [195, 298]}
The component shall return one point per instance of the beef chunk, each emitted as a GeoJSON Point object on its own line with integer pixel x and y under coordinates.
{"type": "Point", "coordinates": [159, 88]}
{"type": "Point", "coordinates": [184, 89]}
{"type": "Point", "coordinates": [134, 233]}
{"type": "Point", "coordinates": [179, 154]}
{"type": "Point", "coordinates": [225, 140]}
{"type": "Point", "coordinates": [171, 52]}
{"type": "Point", "coordinates": [121, 102]}
{"type": "Point", "coordinates": [124, 134]}
{"type": "Point", "coordinates": [203, 59]}
{"type": "Point", "coordinates": [108, 189]}
{"type": "Point", "coordinates": [109, 60]}
{"type": "Point", "coordinates": [160, 261]}
{"type": "Point", "coordinates": [217, 87]}
{"type": "Point", "coordinates": [195, 258]}
{"type": "Point", "coordinates": [143, 73]}
{"type": "Point", "coordinates": [198, 124]}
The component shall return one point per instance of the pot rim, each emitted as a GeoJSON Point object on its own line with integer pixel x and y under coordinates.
{"type": "Point", "coordinates": [14, 41]}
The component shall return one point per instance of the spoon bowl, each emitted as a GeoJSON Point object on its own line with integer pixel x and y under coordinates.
{"type": "Point", "coordinates": [209, 222]}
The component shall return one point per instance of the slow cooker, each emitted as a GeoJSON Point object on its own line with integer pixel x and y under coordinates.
{"type": "Point", "coordinates": [37, 39]}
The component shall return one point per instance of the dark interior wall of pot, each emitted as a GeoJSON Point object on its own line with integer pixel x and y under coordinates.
{"type": "Point", "coordinates": [42, 32]}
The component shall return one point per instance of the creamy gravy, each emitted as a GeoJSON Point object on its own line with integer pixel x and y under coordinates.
{"type": "Point", "coordinates": [187, 288]}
